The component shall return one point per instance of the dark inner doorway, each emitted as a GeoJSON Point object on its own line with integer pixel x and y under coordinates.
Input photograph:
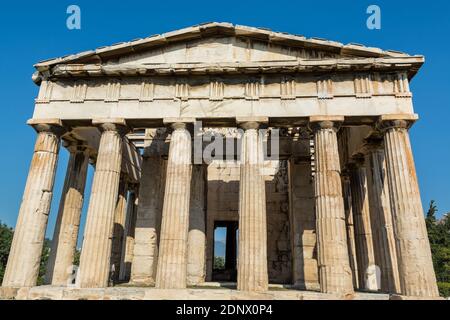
{"type": "Point", "coordinates": [225, 251]}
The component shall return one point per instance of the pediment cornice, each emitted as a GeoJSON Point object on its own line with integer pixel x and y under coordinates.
{"type": "Point", "coordinates": [411, 64]}
{"type": "Point", "coordinates": [102, 55]}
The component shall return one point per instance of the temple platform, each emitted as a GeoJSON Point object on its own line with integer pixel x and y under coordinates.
{"type": "Point", "coordinates": [209, 291]}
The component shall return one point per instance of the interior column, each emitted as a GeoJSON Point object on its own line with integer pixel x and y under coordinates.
{"type": "Point", "coordinates": [96, 251]}
{"type": "Point", "coordinates": [335, 274]}
{"type": "Point", "coordinates": [252, 263]}
{"type": "Point", "coordinates": [172, 260]}
{"type": "Point", "coordinates": [65, 236]}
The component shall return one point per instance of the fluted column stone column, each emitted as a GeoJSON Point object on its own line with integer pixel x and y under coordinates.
{"type": "Point", "coordinates": [128, 243]}
{"type": "Point", "coordinates": [417, 277]}
{"type": "Point", "coordinates": [96, 251]}
{"type": "Point", "coordinates": [252, 274]}
{"type": "Point", "coordinates": [363, 229]}
{"type": "Point", "coordinates": [196, 267]}
{"type": "Point", "coordinates": [65, 236]}
{"type": "Point", "coordinates": [119, 227]}
{"type": "Point", "coordinates": [24, 259]}
{"type": "Point", "coordinates": [381, 217]}
{"type": "Point", "coordinates": [172, 259]}
{"type": "Point", "coordinates": [148, 221]}
{"type": "Point", "coordinates": [348, 207]}
{"type": "Point", "coordinates": [302, 216]}
{"type": "Point", "coordinates": [335, 274]}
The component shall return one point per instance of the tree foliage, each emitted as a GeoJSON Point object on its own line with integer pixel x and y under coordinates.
{"type": "Point", "coordinates": [6, 235]}
{"type": "Point", "coordinates": [439, 235]}
{"type": "Point", "coordinates": [219, 263]}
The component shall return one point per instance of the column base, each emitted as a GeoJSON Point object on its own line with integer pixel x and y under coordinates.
{"type": "Point", "coordinates": [400, 297]}
{"type": "Point", "coordinates": [208, 291]}
{"type": "Point", "coordinates": [143, 282]}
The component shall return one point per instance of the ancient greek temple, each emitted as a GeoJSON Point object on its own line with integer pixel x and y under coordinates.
{"type": "Point", "coordinates": [318, 191]}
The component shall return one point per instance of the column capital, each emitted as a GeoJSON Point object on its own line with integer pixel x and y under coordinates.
{"type": "Point", "coordinates": [372, 143]}
{"type": "Point", "coordinates": [396, 121]}
{"type": "Point", "coordinates": [180, 123]}
{"type": "Point", "coordinates": [251, 122]}
{"type": "Point", "coordinates": [48, 125]}
{"type": "Point", "coordinates": [325, 122]}
{"type": "Point", "coordinates": [112, 124]}
{"type": "Point", "coordinates": [74, 146]}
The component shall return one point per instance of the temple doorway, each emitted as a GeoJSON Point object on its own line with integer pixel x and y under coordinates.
{"type": "Point", "coordinates": [225, 251]}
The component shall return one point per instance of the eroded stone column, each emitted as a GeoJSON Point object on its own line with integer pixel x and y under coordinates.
{"type": "Point", "coordinates": [172, 259]}
{"type": "Point", "coordinates": [381, 217]}
{"type": "Point", "coordinates": [96, 251]}
{"type": "Point", "coordinates": [65, 236]}
{"type": "Point", "coordinates": [335, 274]}
{"type": "Point", "coordinates": [302, 216]}
{"type": "Point", "coordinates": [363, 230]}
{"type": "Point", "coordinates": [196, 269]}
{"type": "Point", "coordinates": [417, 277]}
{"type": "Point", "coordinates": [252, 274]}
{"type": "Point", "coordinates": [348, 207]}
{"type": "Point", "coordinates": [24, 259]}
{"type": "Point", "coordinates": [119, 228]}
{"type": "Point", "coordinates": [128, 243]}
{"type": "Point", "coordinates": [148, 220]}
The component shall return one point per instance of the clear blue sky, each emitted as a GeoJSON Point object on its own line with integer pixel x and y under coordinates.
{"type": "Point", "coordinates": [33, 31]}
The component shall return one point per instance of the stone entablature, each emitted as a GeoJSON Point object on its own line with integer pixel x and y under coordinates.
{"type": "Point", "coordinates": [254, 87]}
{"type": "Point", "coordinates": [208, 97]}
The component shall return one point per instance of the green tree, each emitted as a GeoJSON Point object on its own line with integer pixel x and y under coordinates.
{"type": "Point", "coordinates": [219, 263]}
{"type": "Point", "coordinates": [439, 235]}
{"type": "Point", "coordinates": [44, 259]}
{"type": "Point", "coordinates": [6, 235]}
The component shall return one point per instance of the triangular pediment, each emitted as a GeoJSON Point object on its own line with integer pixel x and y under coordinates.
{"type": "Point", "coordinates": [220, 43]}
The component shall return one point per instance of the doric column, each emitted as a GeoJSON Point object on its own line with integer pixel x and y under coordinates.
{"type": "Point", "coordinates": [22, 269]}
{"type": "Point", "coordinates": [348, 207]}
{"type": "Point", "coordinates": [335, 274]}
{"type": "Point", "coordinates": [119, 227]}
{"type": "Point", "coordinates": [381, 216]}
{"type": "Point", "coordinates": [65, 236]}
{"type": "Point", "coordinates": [302, 216]}
{"type": "Point", "coordinates": [252, 262]}
{"type": "Point", "coordinates": [148, 221]}
{"type": "Point", "coordinates": [196, 269]}
{"type": "Point", "coordinates": [96, 251]}
{"type": "Point", "coordinates": [172, 259]}
{"type": "Point", "coordinates": [363, 232]}
{"type": "Point", "coordinates": [128, 243]}
{"type": "Point", "coordinates": [417, 277]}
